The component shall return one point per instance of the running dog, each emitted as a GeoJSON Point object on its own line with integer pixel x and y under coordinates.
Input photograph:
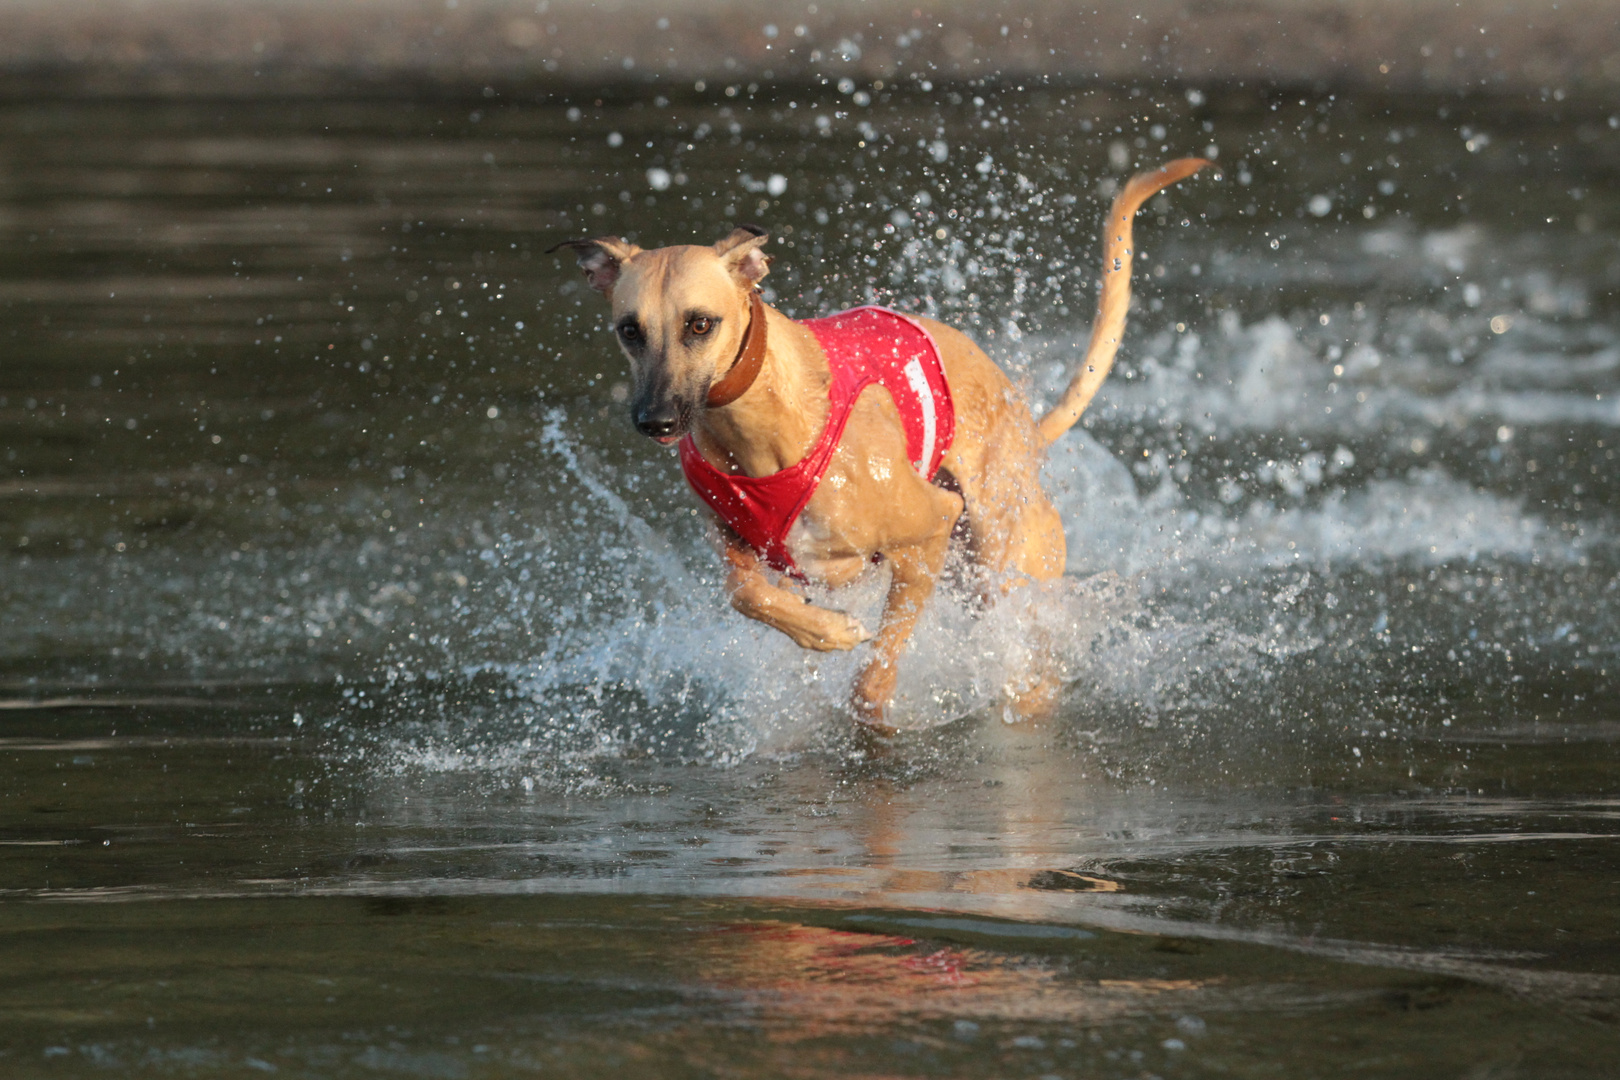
{"type": "Point", "coordinates": [827, 445]}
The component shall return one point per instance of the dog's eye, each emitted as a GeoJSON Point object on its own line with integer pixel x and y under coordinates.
{"type": "Point", "coordinates": [702, 325]}
{"type": "Point", "coordinates": [630, 332]}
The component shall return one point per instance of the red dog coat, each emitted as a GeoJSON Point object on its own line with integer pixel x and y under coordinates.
{"type": "Point", "coordinates": [864, 345]}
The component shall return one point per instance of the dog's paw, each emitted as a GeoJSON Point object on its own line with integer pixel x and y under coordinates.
{"type": "Point", "coordinates": [1031, 703]}
{"type": "Point", "coordinates": [870, 696]}
{"type": "Point", "coordinates": [831, 631]}
{"type": "Point", "coordinates": [854, 632]}
{"type": "Point", "coordinates": [825, 630]}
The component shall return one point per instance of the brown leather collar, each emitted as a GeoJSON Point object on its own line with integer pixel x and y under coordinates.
{"type": "Point", "coordinates": [750, 358]}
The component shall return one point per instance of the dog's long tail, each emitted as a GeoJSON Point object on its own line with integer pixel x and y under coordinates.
{"type": "Point", "coordinates": [1115, 300]}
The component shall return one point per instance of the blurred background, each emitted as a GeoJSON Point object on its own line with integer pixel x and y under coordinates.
{"type": "Point", "coordinates": [331, 568]}
{"type": "Point", "coordinates": [273, 282]}
{"type": "Point", "coordinates": [253, 48]}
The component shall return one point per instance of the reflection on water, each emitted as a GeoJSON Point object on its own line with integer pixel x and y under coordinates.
{"type": "Point", "coordinates": [450, 987]}
{"type": "Point", "coordinates": [369, 704]}
{"type": "Point", "coordinates": [972, 898]}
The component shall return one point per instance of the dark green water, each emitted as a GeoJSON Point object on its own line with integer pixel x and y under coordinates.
{"type": "Point", "coordinates": [370, 705]}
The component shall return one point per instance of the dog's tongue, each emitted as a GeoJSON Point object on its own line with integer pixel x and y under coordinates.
{"type": "Point", "coordinates": [667, 440]}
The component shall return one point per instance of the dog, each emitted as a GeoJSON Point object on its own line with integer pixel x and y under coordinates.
{"type": "Point", "coordinates": [824, 446]}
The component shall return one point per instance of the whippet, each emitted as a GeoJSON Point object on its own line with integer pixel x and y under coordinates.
{"type": "Point", "coordinates": [825, 446]}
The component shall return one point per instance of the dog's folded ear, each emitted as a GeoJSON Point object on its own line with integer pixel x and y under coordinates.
{"type": "Point", "coordinates": [600, 258]}
{"type": "Point", "coordinates": [741, 254]}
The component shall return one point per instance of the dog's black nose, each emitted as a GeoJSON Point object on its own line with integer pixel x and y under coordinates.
{"type": "Point", "coordinates": [657, 422]}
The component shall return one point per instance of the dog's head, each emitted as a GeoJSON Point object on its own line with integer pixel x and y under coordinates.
{"type": "Point", "coordinates": [679, 314]}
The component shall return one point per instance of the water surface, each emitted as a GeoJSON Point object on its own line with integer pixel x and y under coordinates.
{"type": "Point", "coordinates": [371, 705]}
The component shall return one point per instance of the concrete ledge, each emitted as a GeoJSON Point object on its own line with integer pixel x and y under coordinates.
{"type": "Point", "coordinates": [265, 48]}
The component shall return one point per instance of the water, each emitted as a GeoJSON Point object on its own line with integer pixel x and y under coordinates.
{"type": "Point", "coordinates": [370, 705]}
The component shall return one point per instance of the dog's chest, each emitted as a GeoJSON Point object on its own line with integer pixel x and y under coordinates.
{"type": "Point", "coordinates": [797, 518]}
{"type": "Point", "coordinates": [819, 554]}
{"type": "Point", "coordinates": [869, 498]}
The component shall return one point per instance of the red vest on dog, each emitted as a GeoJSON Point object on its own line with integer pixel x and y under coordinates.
{"type": "Point", "coordinates": [864, 345]}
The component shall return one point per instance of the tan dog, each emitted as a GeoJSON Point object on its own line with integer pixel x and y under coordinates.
{"type": "Point", "coordinates": [682, 315]}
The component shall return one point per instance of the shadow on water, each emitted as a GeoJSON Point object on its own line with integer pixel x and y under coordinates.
{"type": "Point", "coordinates": [370, 706]}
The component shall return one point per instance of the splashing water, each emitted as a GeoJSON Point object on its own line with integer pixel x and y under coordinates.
{"type": "Point", "coordinates": [1328, 440]}
{"type": "Point", "coordinates": [658, 629]}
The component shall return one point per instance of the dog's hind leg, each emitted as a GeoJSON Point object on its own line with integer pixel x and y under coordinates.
{"type": "Point", "coordinates": [1015, 532]}
{"type": "Point", "coordinates": [756, 596]}
{"type": "Point", "coordinates": [1017, 540]}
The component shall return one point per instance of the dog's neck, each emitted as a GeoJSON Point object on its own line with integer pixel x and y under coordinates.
{"type": "Point", "coordinates": [777, 421]}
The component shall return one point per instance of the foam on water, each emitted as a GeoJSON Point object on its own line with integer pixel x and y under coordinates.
{"type": "Point", "coordinates": [1269, 377]}
{"type": "Point", "coordinates": [1426, 517]}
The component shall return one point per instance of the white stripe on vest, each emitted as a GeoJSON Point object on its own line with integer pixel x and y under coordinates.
{"type": "Point", "coordinates": [925, 395]}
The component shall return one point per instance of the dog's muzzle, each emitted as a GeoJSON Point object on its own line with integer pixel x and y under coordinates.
{"type": "Point", "coordinates": [664, 421]}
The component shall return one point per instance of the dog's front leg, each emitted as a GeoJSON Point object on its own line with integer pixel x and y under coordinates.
{"type": "Point", "coordinates": [756, 596]}
{"type": "Point", "coordinates": [914, 571]}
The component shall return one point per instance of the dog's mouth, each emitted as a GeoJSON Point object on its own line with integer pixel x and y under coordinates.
{"type": "Point", "coordinates": [666, 440]}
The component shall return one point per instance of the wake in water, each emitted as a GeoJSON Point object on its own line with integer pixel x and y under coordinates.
{"type": "Point", "coordinates": [1174, 587]}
